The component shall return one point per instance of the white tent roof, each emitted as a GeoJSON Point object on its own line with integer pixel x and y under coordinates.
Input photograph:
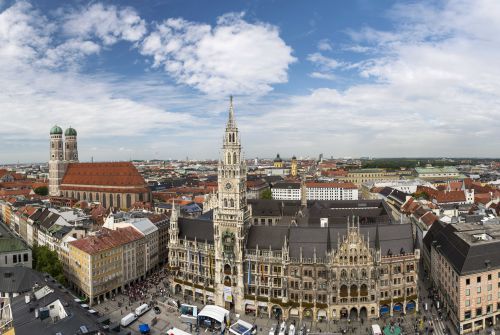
{"type": "Point", "coordinates": [214, 312]}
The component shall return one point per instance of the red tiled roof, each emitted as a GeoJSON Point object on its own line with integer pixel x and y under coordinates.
{"type": "Point", "coordinates": [24, 191]}
{"type": "Point", "coordinates": [28, 210]}
{"type": "Point", "coordinates": [330, 185]}
{"type": "Point", "coordinates": [106, 239]}
{"type": "Point", "coordinates": [443, 196]}
{"type": "Point", "coordinates": [406, 206]}
{"type": "Point", "coordinates": [199, 199]}
{"type": "Point", "coordinates": [452, 196]}
{"type": "Point", "coordinates": [3, 172]}
{"type": "Point", "coordinates": [103, 174]}
{"type": "Point", "coordinates": [154, 218]}
{"type": "Point", "coordinates": [18, 176]}
{"type": "Point", "coordinates": [340, 173]}
{"type": "Point", "coordinates": [429, 218]}
{"type": "Point", "coordinates": [482, 198]}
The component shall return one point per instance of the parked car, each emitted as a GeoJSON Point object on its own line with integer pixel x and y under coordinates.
{"type": "Point", "coordinates": [157, 310]}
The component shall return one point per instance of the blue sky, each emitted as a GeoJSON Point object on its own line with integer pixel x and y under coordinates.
{"type": "Point", "coordinates": [151, 79]}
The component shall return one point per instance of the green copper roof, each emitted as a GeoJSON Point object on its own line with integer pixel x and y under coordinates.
{"type": "Point", "coordinates": [70, 132]}
{"type": "Point", "coordinates": [56, 130]}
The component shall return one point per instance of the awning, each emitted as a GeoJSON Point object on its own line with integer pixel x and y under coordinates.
{"type": "Point", "coordinates": [250, 307]}
{"type": "Point", "coordinates": [384, 310]}
{"type": "Point", "coordinates": [294, 312]}
{"type": "Point", "coordinates": [322, 313]}
{"type": "Point", "coordinates": [397, 307]}
{"type": "Point", "coordinates": [241, 328]}
{"type": "Point", "coordinates": [214, 312]}
{"type": "Point", "coordinates": [410, 305]}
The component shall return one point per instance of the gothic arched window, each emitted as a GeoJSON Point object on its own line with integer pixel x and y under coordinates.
{"type": "Point", "coordinates": [343, 274]}
{"type": "Point", "coordinates": [225, 202]}
{"type": "Point", "coordinates": [234, 158]}
{"type": "Point", "coordinates": [129, 201]}
{"type": "Point", "coordinates": [118, 201]}
{"type": "Point", "coordinates": [231, 202]}
{"type": "Point", "coordinates": [110, 200]}
{"type": "Point", "coordinates": [228, 158]}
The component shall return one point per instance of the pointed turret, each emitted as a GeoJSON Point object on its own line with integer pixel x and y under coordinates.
{"type": "Point", "coordinates": [377, 239]}
{"type": "Point", "coordinates": [231, 123]}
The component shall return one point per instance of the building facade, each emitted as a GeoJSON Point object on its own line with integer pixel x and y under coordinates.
{"type": "Point", "coordinates": [299, 264]}
{"type": "Point", "coordinates": [315, 191]}
{"type": "Point", "coordinates": [360, 176]}
{"type": "Point", "coordinates": [463, 263]}
{"type": "Point", "coordinates": [103, 264]}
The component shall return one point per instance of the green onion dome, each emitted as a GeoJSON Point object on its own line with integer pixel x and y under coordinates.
{"type": "Point", "coordinates": [56, 130]}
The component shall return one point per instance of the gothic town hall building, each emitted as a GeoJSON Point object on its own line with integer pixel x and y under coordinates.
{"type": "Point", "coordinates": [305, 259]}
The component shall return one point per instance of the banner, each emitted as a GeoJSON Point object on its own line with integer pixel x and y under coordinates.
{"type": "Point", "coordinates": [249, 273]}
{"type": "Point", "coordinates": [200, 266]}
{"type": "Point", "coordinates": [228, 296]}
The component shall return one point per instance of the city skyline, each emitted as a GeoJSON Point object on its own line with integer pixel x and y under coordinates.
{"type": "Point", "coordinates": [396, 79]}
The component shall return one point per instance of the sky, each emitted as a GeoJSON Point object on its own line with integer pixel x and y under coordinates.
{"type": "Point", "coordinates": [152, 79]}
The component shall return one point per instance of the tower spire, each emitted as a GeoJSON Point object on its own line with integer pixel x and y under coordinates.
{"type": "Point", "coordinates": [230, 122]}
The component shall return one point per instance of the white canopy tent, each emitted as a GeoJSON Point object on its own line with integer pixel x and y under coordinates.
{"type": "Point", "coordinates": [216, 313]}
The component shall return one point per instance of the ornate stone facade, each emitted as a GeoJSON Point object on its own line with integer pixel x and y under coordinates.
{"type": "Point", "coordinates": [296, 265]}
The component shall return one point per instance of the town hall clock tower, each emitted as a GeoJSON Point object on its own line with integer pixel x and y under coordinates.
{"type": "Point", "coordinates": [231, 220]}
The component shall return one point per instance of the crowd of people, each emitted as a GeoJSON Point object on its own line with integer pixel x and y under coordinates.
{"type": "Point", "coordinates": [149, 289]}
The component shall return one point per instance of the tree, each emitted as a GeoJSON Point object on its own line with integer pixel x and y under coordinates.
{"type": "Point", "coordinates": [42, 190]}
{"type": "Point", "coordinates": [266, 194]}
{"type": "Point", "coordinates": [46, 260]}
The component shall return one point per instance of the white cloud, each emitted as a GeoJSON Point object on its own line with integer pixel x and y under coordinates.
{"type": "Point", "coordinates": [432, 89]}
{"type": "Point", "coordinates": [107, 22]}
{"type": "Point", "coordinates": [24, 33]}
{"type": "Point", "coordinates": [324, 66]}
{"type": "Point", "coordinates": [325, 45]}
{"type": "Point", "coordinates": [40, 87]}
{"type": "Point", "coordinates": [323, 62]}
{"type": "Point", "coordinates": [234, 57]}
{"type": "Point", "coordinates": [322, 75]}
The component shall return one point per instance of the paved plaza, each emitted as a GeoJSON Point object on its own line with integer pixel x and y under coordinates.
{"type": "Point", "coordinates": [154, 291]}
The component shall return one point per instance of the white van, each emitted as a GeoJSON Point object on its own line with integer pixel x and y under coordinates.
{"type": "Point", "coordinates": [142, 309]}
{"type": "Point", "coordinates": [128, 319]}
{"type": "Point", "coordinates": [376, 330]}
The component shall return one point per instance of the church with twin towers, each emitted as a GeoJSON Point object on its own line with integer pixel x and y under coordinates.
{"type": "Point", "coordinates": [113, 184]}
{"type": "Point", "coordinates": [321, 260]}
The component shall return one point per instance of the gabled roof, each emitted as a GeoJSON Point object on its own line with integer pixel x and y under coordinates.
{"type": "Point", "coordinates": [116, 174]}
{"type": "Point", "coordinates": [266, 236]}
{"type": "Point", "coordinates": [106, 239]}
{"type": "Point", "coordinates": [19, 279]}
{"type": "Point", "coordinates": [201, 230]}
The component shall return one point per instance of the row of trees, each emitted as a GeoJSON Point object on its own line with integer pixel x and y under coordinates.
{"type": "Point", "coordinates": [46, 260]}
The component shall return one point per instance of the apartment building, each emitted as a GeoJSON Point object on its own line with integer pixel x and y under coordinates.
{"type": "Point", "coordinates": [101, 265]}
{"type": "Point", "coordinates": [464, 265]}
{"type": "Point", "coordinates": [360, 176]}
{"type": "Point", "coordinates": [315, 191]}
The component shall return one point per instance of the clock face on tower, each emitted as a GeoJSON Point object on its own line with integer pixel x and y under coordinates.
{"type": "Point", "coordinates": [228, 186]}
